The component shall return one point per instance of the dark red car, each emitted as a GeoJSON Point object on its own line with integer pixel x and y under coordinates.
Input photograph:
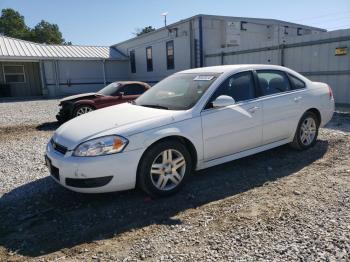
{"type": "Point", "coordinates": [113, 94]}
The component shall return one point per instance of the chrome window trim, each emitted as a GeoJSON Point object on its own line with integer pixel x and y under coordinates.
{"type": "Point", "coordinates": [260, 98]}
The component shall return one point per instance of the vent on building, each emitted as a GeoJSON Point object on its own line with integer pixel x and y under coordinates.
{"type": "Point", "coordinates": [299, 31]}
{"type": "Point", "coordinates": [307, 31]}
{"type": "Point", "coordinates": [233, 33]}
{"type": "Point", "coordinates": [173, 32]}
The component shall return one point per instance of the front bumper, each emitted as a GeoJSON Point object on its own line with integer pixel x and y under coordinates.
{"type": "Point", "coordinates": [98, 174]}
{"type": "Point", "coordinates": [64, 114]}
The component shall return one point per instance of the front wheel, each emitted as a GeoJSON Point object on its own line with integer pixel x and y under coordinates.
{"type": "Point", "coordinates": [164, 168]}
{"type": "Point", "coordinates": [83, 109]}
{"type": "Point", "coordinates": [307, 132]}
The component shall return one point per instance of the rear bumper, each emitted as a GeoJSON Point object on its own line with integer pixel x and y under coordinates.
{"type": "Point", "coordinates": [100, 174]}
{"type": "Point", "coordinates": [327, 114]}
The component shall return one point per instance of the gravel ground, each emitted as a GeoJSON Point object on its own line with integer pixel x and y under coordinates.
{"type": "Point", "coordinates": [279, 205]}
{"type": "Point", "coordinates": [31, 112]}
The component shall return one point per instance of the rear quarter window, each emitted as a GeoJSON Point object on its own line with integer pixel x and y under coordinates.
{"type": "Point", "coordinates": [296, 82]}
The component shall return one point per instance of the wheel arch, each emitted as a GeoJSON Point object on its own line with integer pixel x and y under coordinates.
{"type": "Point", "coordinates": [316, 112]}
{"type": "Point", "coordinates": [312, 110]}
{"type": "Point", "coordinates": [84, 103]}
{"type": "Point", "coordinates": [175, 137]}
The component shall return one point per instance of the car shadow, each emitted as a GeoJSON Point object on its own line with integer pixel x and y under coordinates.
{"type": "Point", "coordinates": [48, 126]}
{"type": "Point", "coordinates": [41, 217]}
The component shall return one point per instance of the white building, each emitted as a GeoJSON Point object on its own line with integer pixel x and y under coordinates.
{"type": "Point", "coordinates": [32, 69]}
{"type": "Point", "coordinates": [202, 40]}
{"type": "Point", "coordinates": [184, 44]}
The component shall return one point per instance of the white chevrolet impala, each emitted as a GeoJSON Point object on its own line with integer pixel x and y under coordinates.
{"type": "Point", "coordinates": [191, 120]}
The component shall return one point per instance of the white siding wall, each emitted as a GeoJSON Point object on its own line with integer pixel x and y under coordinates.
{"type": "Point", "coordinates": [81, 76]}
{"type": "Point", "coordinates": [258, 33]}
{"type": "Point", "coordinates": [116, 70]}
{"type": "Point", "coordinates": [215, 31]}
{"type": "Point", "coordinates": [158, 41]}
{"type": "Point", "coordinates": [316, 60]}
{"type": "Point", "coordinates": [320, 63]}
{"type": "Point", "coordinates": [214, 28]}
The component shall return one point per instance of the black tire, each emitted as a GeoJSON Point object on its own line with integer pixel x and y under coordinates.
{"type": "Point", "coordinates": [297, 141]}
{"type": "Point", "coordinates": [145, 179]}
{"type": "Point", "coordinates": [81, 107]}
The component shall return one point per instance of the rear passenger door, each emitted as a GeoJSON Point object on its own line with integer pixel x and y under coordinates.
{"type": "Point", "coordinates": [282, 105]}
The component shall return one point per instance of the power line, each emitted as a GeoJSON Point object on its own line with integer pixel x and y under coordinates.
{"type": "Point", "coordinates": [321, 16]}
{"type": "Point", "coordinates": [339, 27]}
{"type": "Point", "coordinates": [330, 19]}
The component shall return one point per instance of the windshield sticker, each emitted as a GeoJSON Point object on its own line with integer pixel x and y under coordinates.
{"type": "Point", "coordinates": [203, 78]}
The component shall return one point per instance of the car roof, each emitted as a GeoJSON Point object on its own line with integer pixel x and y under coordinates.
{"type": "Point", "coordinates": [132, 82]}
{"type": "Point", "coordinates": [231, 68]}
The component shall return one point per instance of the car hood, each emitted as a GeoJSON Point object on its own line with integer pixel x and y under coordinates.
{"type": "Point", "coordinates": [75, 97]}
{"type": "Point", "coordinates": [123, 119]}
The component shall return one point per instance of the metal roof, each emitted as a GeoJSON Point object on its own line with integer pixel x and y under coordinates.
{"type": "Point", "coordinates": [12, 48]}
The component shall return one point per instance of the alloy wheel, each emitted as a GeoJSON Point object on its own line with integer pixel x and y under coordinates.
{"type": "Point", "coordinates": [308, 131]}
{"type": "Point", "coordinates": [83, 110]}
{"type": "Point", "coordinates": [168, 169]}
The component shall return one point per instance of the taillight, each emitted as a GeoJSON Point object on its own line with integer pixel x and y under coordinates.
{"type": "Point", "coordinates": [330, 92]}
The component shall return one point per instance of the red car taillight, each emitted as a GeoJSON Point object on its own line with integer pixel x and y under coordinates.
{"type": "Point", "coordinates": [330, 92]}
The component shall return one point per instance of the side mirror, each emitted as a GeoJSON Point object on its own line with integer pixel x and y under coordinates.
{"type": "Point", "coordinates": [120, 94]}
{"type": "Point", "coordinates": [223, 101]}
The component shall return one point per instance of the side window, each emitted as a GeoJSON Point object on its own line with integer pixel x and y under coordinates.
{"type": "Point", "coordinates": [273, 82]}
{"type": "Point", "coordinates": [296, 82]}
{"type": "Point", "coordinates": [132, 62]}
{"type": "Point", "coordinates": [14, 74]}
{"type": "Point", "coordinates": [239, 86]}
{"type": "Point", "coordinates": [133, 89]}
{"type": "Point", "coordinates": [149, 59]}
{"type": "Point", "coordinates": [170, 55]}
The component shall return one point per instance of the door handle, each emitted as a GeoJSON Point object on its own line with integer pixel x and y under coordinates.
{"type": "Point", "coordinates": [253, 109]}
{"type": "Point", "coordinates": [297, 99]}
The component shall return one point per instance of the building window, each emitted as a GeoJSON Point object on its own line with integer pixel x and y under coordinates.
{"type": "Point", "coordinates": [132, 61]}
{"type": "Point", "coordinates": [299, 31]}
{"type": "Point", "coordinates": [243, 26]}
{"type": "Point", "coordinates": [149, 59]}
{"type": "Point", "coordinates": [14, 74]}
{"type": "Point", "coordinates": [170, 55]}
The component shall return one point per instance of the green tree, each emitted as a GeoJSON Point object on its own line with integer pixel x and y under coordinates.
{"type": "Point", "coordinates": [44, 32]}
{"type": "Point", "coordinates": [145, 30]}
{"type": "Point", "coordinates": [12, 24]}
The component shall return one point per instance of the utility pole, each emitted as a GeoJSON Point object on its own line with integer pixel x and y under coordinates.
{"type": "Point", "coordinates": [165, 14]}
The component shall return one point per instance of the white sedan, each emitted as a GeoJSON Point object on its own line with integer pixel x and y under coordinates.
{"type": "Point", "coordinates": [192, 120]}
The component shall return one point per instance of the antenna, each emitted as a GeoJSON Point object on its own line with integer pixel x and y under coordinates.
{"type": "Point", "coordinates": [164, 14]}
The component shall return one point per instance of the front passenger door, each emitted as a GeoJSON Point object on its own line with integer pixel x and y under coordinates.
{"type": "Point", "coordinates": [234, 128]}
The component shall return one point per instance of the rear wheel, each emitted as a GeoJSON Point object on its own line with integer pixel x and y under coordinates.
{"type": "Point", "coordinates": [83, 109]}
{"type": "Point", "coordinates": [307, 132]}
{"type": "Point", "coordinates": [164, 168]}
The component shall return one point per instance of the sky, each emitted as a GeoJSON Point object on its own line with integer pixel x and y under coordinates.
{"type": "Point", "coordinates": [107, 22]}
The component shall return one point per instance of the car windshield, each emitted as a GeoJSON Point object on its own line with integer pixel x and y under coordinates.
{"type": "Point", "coordinates": [177, 92]}
{"type": "Point", "coordinates": [110, 89]}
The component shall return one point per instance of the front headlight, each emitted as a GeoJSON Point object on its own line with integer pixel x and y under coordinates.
{"type": "Point", "coordinates": [101, 146]}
